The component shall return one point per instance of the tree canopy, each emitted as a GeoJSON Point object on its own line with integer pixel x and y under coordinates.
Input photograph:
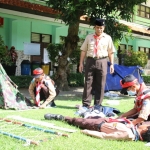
{"type": "Point", "coordinates": [70, 12]}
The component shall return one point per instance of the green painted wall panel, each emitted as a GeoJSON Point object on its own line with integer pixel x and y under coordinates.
{"type": "Point", "coordinates": [142, 43]}
{"type": "Point", "coordinates": [141, 20]}
{"type": "Point", "coordinates": [60, 31]}
{"type": "Point", "coordinates": [21, 29]}
{"type": "Point", "coordinates": [2, 33]}
{"type": "Point", "coordinates": [6, 31]}
{"type": "Point", "coordinates": [40, 27]}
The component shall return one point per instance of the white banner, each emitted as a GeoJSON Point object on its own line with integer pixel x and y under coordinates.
{"type": "Point", "coordinates": [31, 49]}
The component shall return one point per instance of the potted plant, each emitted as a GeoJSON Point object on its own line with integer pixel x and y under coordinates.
{"type": "Point", "coordinates": [5, 59]}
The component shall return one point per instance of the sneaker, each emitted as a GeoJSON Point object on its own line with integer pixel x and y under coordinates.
{"type": "Point", "coordinates": [81, 111]}
{"type": "Point", "coordinates": [53, 116]}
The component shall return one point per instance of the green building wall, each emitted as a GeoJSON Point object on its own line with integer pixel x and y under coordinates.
{"type": "Point", "coordinates": [17, 31]}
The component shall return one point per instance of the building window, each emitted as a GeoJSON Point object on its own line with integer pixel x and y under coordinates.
{"type": "Point", "coordinates": [143, 11]}
{"type": "Point", "coordinates": [41, 38]}
{"type": "Point", "coordinates": [35, 37]}
{"type": "Point", "coordinates": [122, 47]}
{"type": "Point", "coordinates": [130, 47]}
{"type": "Point", "coordinates": [145, 50]}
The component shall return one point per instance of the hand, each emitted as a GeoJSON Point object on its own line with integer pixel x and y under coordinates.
{"type": "Point", "coordinates": [81, 68]}
{"type": "Point", "coordinates": [83, 131]}
{"type": "Point", "coordinates": [111, 69]}
{"type": "Point", "coordinates": [43, 106]}
{"type": "Point", "coordinates": [43, 86]}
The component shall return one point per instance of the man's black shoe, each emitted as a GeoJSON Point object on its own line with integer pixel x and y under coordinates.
{"type": "Point", "coordinates": [53, 116]}
{"type": "Point", "coordinates": [52, 104]}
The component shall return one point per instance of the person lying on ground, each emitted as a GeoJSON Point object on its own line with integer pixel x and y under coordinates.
{"type": "Point", "coordinates": [107, 128]}
{"type": "Point", "coordinates": [141, 110]}
{"type": "Point", "coordinates": [42, 88]}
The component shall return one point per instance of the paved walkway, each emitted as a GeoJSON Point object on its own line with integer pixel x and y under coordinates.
{"type": "Point", "coordinates": [74, 91]}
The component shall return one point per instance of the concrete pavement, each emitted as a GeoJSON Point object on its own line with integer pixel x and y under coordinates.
{"type": "Point", "coordinates": [74, 91]}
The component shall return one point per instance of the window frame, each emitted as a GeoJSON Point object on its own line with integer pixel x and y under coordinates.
{"type": "Point", "coordinates": [143, 11]}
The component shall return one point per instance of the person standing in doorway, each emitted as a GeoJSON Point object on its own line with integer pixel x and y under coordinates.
{"type": "Point", "coordinates": [13, 54]}
{"type": "Point", "coordinates": [96, 48]}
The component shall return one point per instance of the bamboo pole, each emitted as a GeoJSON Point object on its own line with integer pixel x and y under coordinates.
{"type": "Point", "coordinates": [36, 128]}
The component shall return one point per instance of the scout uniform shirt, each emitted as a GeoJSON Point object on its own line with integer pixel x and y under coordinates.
{"type": "Point", "coordinates": [142, 102]}
{"type": "Point", "coordinates": [104, 47]}
{"type": "Point", "coordinates": [48, 84]}
{"type": "Point", "coordinates": [114, 131]}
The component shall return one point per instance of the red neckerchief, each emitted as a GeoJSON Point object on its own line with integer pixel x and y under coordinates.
{"type": "Point", "coordinates": [38, 89]}
{"type": "Point", "coordinates": [97, 38]}
{"type": "Point", "coordinates": [141, 90]}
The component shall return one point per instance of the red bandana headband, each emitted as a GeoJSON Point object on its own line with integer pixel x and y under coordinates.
{"type": "Point", "coordinates": [37, 71]}
{"type": "Point", "coordinates": [128, 84]}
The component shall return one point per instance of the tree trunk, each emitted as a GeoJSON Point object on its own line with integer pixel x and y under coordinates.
{"type": "Point", "coordinates": [71, 42]}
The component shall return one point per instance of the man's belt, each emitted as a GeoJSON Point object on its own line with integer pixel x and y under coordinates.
{"type": "Point", "coordinates": [95, 58]}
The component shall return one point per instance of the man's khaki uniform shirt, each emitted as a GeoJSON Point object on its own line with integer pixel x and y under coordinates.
{"type": "Point", "coordinates": [145, 105]}
{"type": "Point", "coordinates": [113, 130]}
{"type": "Point", "coordinates": [104, 47]}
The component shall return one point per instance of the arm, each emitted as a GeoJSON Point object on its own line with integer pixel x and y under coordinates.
{"type": "Point", "coordinates": [129, 113]}
{"type": "Point", "coordinates": [31, 90]}
{"type": "Point", "coordinates": [52, 81]}
{"type": "Point", "coordinates": [111, 58]}
{"type": "Point", "coordinates": [144, 112]}
{"type": "Point", "coordinates": [119, 135]}
{"type": "Point", "coordinates": [84, 49]}
{"type": "Point", "coordinates": [111, 50]}
{"type": "Point", "coordinates": [136, 121]}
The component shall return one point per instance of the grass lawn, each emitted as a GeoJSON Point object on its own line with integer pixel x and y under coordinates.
{"type": "Point", "coordinates": [76, 140]}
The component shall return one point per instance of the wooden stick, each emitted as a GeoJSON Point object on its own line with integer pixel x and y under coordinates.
{"type": "Point", "coordinates": [36, 128]}
{"type": "Point", "coordinates": [46, 124]}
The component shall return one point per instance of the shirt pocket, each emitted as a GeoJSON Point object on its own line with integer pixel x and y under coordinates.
{"type": "Point", "coordinates": [104, 45]}
{"type": "Point", "coordinates": [91, 45]}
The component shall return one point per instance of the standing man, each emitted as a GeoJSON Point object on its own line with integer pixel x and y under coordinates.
{"type": "Point", "coordinates": [42, 88]}
{"type": "Point", "coordinates": [96, 47]}
{"type": "Point", "coordinates": [13, 55]}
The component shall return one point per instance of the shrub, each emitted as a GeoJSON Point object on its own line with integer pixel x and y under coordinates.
{"type": "Point", "coordinates": [146, 79]}
{"type": "Point", "coordinates": [74, 79]}
{"type": "Point", "coordinates": [5, 58]}
{"type": "Point", "coordinates": [134, 58]}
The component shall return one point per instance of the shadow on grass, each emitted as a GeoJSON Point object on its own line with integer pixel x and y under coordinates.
{"type": "Point", "coordinates": [120, 98]}
{"type": "Point", "coordinates": [68, 98]}
{"type": "Point", "coordinates": [66, 107]}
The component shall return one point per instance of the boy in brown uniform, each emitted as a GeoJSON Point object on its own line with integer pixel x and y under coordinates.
{"type": "Point", "coordinates": [141, 110]}
{"type": "Point", "coordinates": [41, 88]}
{"type": "Point", "coordinates": [107, 128]}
